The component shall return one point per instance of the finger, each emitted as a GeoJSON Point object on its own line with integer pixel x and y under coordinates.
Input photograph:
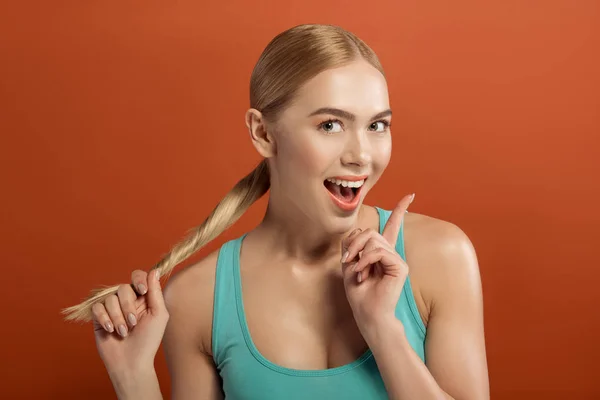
{"type": "Point", "coordinates": [127, 298]}
{"type": "Point", "coordinates": [139, 279]}
{"type": "Point", "coordinates": [394, 222]}
{"type": "Point", "coordinates": [156, 302]}
{"type": "Point", "coordinates": [385, 257]}
{"type": "Point", "coordinates": [346, 242]}
{"type": "Point", "coordinates": [367, 271]}
{"type": "Point", "coordinates": [100, 316]}
{"type": "Point", "coordinates": [364, 274]}
{"type": "Point", "coordinates": [116, 315]}
{"type": "Point", "coordinates": [360, 242]}
{"type": "Point", "coordinates": [348, 274]}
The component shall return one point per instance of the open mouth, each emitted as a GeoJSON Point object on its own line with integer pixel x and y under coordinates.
{"type": "Point", "coordinates": [346, 191]}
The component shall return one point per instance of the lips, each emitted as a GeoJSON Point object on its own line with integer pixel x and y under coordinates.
{"type": "Point", "coordinates": [345, 191]}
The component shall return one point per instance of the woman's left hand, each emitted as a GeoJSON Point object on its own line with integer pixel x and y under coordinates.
{"type": "Point", "coordinates": [374, 273]}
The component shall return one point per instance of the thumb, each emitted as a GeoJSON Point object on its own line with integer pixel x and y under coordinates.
{"type": "Point", "coordinates": [156, 301]}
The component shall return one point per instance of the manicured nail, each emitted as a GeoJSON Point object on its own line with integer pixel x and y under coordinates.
{"type": "Point", "coordinates": [122, 330]}
{"type": "Point", "coordinates": [412, 198]}
{"type": "Point", "coordinates": [141, 289]}
{"type": "Point", "coordinates": [131, 318]}
{"type": "Point", "coordinates": [353, 267]}
{"type": "Point", "coordinates": [359, 277]}
{"type": "Point", "coordinates": [345, 257]}
{"type": "Point", "coordinates": [109, 328]}
{"type": "Point", "coordinates": [157, 275]}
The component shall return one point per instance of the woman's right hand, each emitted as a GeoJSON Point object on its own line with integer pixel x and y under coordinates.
{"type": "Point", "coordinates": [129, 325]}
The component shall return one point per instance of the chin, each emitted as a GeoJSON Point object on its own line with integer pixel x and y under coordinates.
{"type": "Point", "coordinates": [340, 222]}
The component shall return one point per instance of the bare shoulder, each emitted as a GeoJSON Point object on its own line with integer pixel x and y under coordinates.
{"type": "Point", "coordinates": [189, 299]}
{"type": "Point", "coordinates": [187, 338]}
{"type": "Point", "coordinates": [425, 232]}
{"type": "Point", "coordinates": [441, 259]}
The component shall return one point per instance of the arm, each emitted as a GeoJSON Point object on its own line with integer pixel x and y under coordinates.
{"type": "Point", "coordinates": [455, 348]}
{"type": "Point", "coordinates": [139, 385]}
{"type": "Point", "coordinates": [187, 339]}
{"type": "Point", "coordinates": [193, 374]}
{"type": "Point", "coordinates": [129, 357]}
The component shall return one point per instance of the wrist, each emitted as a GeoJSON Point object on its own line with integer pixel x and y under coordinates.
{"type": "Point", "coordinates": [131, 383]}
{"type": "Point", "coordinates": [382, 331]}
{"type": "Point", "coordinates": [128, 373]}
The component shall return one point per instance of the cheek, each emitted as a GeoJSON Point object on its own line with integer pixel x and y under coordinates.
{"type": "Point", "coordinates": [308, 152]}
{"type": "Point", "coordinates": [382, 152]}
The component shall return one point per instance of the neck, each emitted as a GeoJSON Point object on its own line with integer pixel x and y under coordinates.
{"type": "Point", "coordinates": [289, 234]}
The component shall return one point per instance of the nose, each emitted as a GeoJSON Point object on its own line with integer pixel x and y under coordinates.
{"type": "Point", "coordinates": [357, 150]}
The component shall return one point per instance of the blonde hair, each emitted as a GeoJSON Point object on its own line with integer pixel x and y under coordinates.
{"type": "Point", "coordinates": [289, 60]}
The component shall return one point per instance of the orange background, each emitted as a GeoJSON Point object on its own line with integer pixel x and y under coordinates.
{"type": "Point", "coordinates": [122, 126]}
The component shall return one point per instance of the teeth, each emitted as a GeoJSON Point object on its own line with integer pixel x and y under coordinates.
{"type": "Point", "coordinates": [352, 184]}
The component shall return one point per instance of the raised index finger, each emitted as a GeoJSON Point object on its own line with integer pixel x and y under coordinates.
{"type": "Point", "coordinates": [392, 226]}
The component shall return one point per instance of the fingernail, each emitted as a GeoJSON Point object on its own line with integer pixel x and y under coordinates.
{"type": "Point", "coordinates": [131, 318]}
{"type": "Point", "coordinates": [345, 257]}
{"type": "Point", "coordinates": [359, 277]}
{"type": "Point", "coordinates": [141, 289]}
{"type": "Point", "coordinates": [353, 267]}
{"type": "Point", "coordinates": [109, 328]}
{"type": "Point", "coordinates": [157, 275]}
{"type": "Point", "coordinates": [412, 198]}
{"type": "Point", "coordinates": [122, 330]}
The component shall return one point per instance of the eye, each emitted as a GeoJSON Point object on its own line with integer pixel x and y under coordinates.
{"type": "Point", "coordinates": [331, 126]}
{"type": "Point", "coordinates": [379, 126]}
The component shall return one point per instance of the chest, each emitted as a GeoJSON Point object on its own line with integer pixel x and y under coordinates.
{"type": "Point", "coordinates": [300, 318]}
{"type": "Point", "coordinates": [359, 380]}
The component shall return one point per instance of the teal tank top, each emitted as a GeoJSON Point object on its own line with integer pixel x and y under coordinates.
{"type": "Point", "coordinates": [247, 375]}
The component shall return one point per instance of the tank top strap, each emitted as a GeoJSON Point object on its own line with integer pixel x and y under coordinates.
{"type": "Point", "coordinates": [225, 324]}
{"type": "Point", "coordinates": [406, 309]}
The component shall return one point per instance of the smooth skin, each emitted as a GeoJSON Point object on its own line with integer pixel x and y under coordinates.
{"type": "Point", "coordinates": [319, 284]}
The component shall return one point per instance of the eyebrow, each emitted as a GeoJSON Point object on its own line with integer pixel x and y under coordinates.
{"type": "Point", "coordinates": [347, 115]}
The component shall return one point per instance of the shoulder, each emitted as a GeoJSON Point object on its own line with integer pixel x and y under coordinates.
{"type": "Point", "coordinates": [189, 299]}
{"type": "Point", "coordinates": [441, 258]}
{"type": "Point", "coordinates": [442, 237]}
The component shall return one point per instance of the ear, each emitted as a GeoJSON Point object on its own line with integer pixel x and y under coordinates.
{"type": "Point", "coordinates": [261, 138]}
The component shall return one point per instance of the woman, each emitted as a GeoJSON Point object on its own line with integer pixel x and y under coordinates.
{"type": "Point", "coordinates": [327, 298]}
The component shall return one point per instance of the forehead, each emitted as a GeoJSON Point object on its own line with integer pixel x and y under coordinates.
{"type": "Point", "coordinates": [357, 87]}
